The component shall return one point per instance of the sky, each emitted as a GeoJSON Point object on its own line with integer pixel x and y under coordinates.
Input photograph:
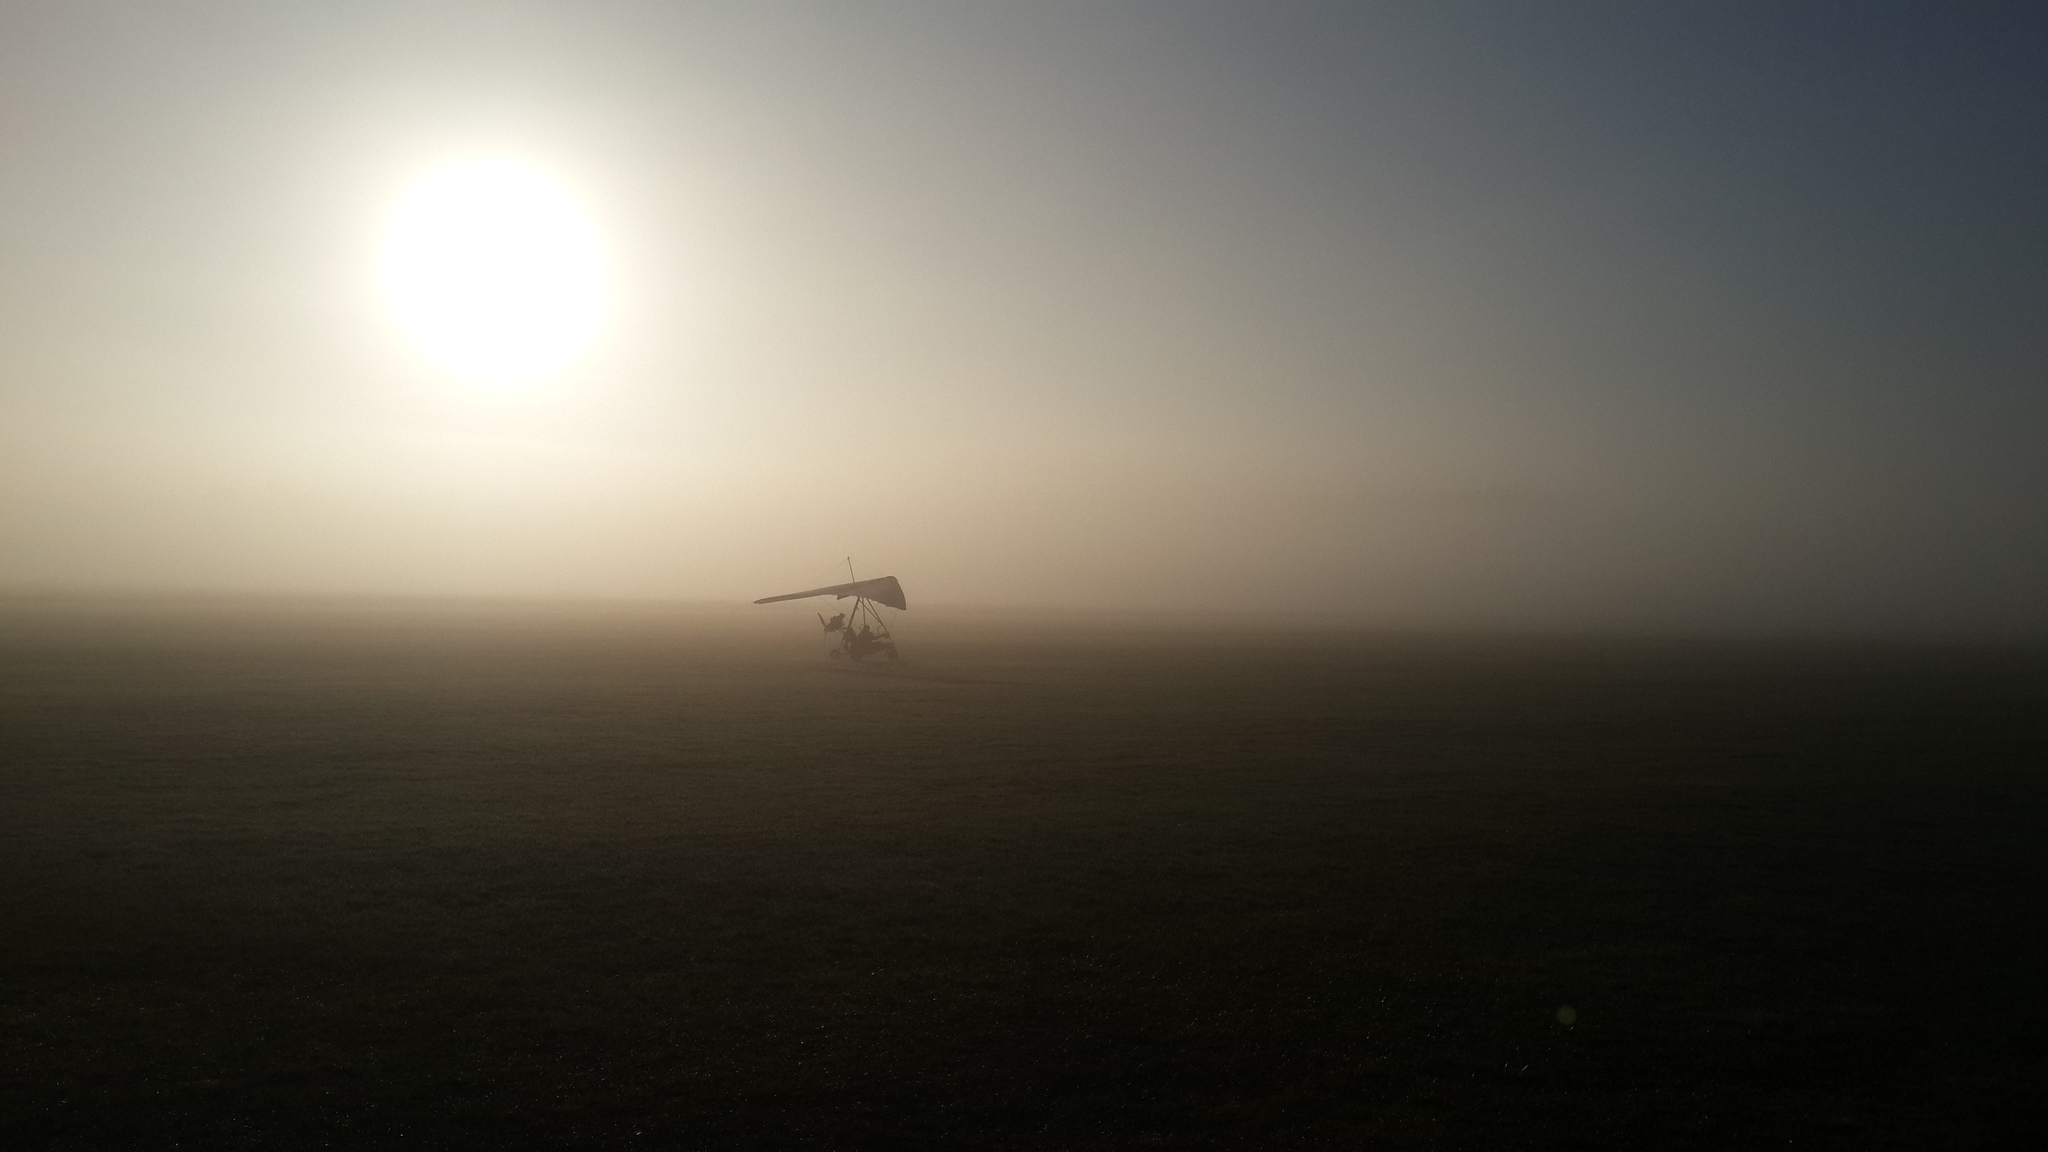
{"type": "Point", "coordinates": [1548, 316]}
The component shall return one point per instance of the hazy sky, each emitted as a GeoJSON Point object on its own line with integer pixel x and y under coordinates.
{"type": "Point", "coordinates": [1554, 315]}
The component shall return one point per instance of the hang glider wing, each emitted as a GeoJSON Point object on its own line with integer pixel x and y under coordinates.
{"type": "Point", "coordinates": [883, 590]}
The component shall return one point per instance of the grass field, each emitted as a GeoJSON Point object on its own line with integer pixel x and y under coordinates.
{"type": "Point", "coordinates": [301, 875]}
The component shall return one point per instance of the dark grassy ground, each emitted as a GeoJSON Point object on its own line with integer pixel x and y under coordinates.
{"type": "Point", "coordinates": [294, 876]}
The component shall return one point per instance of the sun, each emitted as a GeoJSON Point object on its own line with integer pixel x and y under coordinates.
{"type": "Point", "coordinates": [495, 271]}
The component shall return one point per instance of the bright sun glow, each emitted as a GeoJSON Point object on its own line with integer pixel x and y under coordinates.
{"type": "Point", "coordinates": [495, 271]}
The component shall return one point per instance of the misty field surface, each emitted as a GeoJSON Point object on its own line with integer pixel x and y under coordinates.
{"type": "Point", "coordinates": [299, 875]}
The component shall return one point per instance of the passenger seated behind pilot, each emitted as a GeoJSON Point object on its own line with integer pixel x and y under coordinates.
{"type": "Point", "coordinates": [867, 635]}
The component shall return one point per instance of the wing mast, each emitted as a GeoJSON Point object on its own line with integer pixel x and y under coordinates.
{"type": "Point", "coordinates": [862, 610]}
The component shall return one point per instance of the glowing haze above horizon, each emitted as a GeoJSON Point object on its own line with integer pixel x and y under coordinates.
{"type": "Point", "coordinates": [1433, 315]}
